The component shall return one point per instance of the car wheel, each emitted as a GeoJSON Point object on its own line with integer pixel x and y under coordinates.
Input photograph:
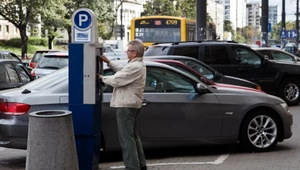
{"type": "Point", "coordinates": [260, 131]}
{"type": "Point", "coordinates": [289, 91]}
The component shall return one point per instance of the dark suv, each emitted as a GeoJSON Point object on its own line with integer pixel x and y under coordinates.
{"type": "Point", "coordinates": [234, 59]}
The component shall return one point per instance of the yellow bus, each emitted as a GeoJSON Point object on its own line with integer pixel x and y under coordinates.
{"type": "Point", "coordinates": [152, 29]}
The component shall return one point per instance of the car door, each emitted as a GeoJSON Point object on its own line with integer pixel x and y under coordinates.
{"type": "Point", "coordinates": [249, 65]}
{"type": "Point", "coordinates": [173, 109]}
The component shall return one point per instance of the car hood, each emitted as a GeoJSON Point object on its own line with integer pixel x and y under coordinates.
{"type": "Point", "coordinates": [239, 81]}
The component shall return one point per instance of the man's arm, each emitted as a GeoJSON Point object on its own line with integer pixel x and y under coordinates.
{"type": "Point", "coordinates": [123, 77]}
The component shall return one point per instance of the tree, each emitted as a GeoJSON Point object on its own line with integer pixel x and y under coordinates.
{"type": "Point", "coordinates": [160, 7]}
{"type": "Point", "coordinates": [228, 26]}
{"type": "Point", "coordinates": [53, 21]}
{"type": "Point", "coordinates": [20, 12]}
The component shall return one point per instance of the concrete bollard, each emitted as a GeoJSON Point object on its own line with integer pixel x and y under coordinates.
{"type": "Point", "coordinates": [51, 141]}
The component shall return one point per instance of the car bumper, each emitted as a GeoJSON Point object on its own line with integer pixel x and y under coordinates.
{"type": "Point", "coordinates": [287, 121]}
{"type": "Point", "coordinates": [13, 135]}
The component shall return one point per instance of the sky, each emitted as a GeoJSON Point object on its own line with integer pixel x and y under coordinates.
{"type": "Point", "coordinates": [290, 8]}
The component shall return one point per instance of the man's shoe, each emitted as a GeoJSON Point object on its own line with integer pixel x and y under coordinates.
{"type": "Point", "coordinates": [144, 168]}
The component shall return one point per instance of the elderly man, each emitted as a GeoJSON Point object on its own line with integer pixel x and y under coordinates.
{"type": "Point", "coordinates": [129, 83]}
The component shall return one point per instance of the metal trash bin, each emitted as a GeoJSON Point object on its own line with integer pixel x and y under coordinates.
{"type": "Point", "coordinates": [51, 141]}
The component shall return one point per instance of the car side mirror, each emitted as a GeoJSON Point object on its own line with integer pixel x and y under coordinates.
{"type": "Point", "coordinates": [202, 88]}
{"type": "Point", "coordinates": [266, 57]}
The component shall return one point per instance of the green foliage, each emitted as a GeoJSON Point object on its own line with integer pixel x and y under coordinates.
{"type": "Point", "coordinates": [228, 26]}
{"type": "Point", "coordinates": [34, 41]}
{"type": "Point", "coordinates": [182, 8]}
{"type": "Point", "coordinates": [239, 38]}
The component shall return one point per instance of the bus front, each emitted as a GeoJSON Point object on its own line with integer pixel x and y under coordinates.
{"type": "Point", "coordinates": [151, 30]}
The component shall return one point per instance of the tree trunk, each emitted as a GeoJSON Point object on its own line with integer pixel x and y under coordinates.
{"type": "Point", "coordinates": [24, 40]}
{"type": "Point", "coordinates": [50, 40]}
{"type": "Point", "coordinates": [69, 34]}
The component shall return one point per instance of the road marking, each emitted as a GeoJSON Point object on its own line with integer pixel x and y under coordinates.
{"type": "Point", "coordinates": [220, 160]}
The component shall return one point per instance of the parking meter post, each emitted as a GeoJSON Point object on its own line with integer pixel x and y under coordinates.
{"type": "Point", "coordinates": [83, 88]}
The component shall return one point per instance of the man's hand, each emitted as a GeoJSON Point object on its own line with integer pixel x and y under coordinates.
{"type": "Point", "coordinates": [100, 76]}
{"type": "Point", "coordinates": [104, 59]}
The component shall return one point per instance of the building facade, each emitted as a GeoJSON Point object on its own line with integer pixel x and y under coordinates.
{"type": "Point", "coordinates": [216, 12]}
{"type": "Point", "coordinates": [273, 12]}
{"type": "Point", "coordinates": [8, 30]}
{"type": "Point", "coordinates": [230, 11]}
{"type": "Point", "coordinates": [253, 18]}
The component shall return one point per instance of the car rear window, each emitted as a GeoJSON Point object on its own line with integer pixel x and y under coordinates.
{"type": "Point", "coordinates": [156, 50]}
{"type": "Point", "coordinates": [53, 62]}
{"type": "Point", "coordinates": [49, 81]}
{"type": "Point", "coordinates": [39, 54]}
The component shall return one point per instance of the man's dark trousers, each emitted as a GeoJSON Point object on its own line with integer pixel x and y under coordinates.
{"type": "Point", "coordinates": [133, 154]}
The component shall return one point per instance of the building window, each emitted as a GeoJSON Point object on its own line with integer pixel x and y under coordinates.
{"type": "Point", "coordinates": [7, 28]}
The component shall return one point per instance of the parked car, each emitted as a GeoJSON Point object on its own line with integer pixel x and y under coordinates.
{"type": "Point", "coordinates": [176, 109]}
{"type": "Point", "coordinates": [13, 74]}
{"type": "Point", "coordinates": [233, 59]}
{"type": "Point", "coordinates": [277, 54]}
{"type": "Point", "coordinates": [5, 54]}
{"type": "Point", "coordinates": [50, 62]}
{"type": "Point", "coordinates": [38, 55]}
{"type": "Point", "coordinates": [197, 68]}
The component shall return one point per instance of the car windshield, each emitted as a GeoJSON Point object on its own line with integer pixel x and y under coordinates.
{"type": "Point", "coordinates": [156, 50]}
{"type": "Point", "coordinates": [48, 81]}
{"type": "Point", "coordinates": [53, 62]}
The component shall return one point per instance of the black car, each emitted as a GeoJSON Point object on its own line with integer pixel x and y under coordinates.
{"type": "Point", "coordinates": [230, 58]}
{"type": "Point", "coordinates": [206, 71]}
{"type": "Point", "coordinates": [13, 74]}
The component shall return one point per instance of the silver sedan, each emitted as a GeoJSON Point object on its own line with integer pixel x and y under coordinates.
{"type": "Point", "coordinates": [178, 110]}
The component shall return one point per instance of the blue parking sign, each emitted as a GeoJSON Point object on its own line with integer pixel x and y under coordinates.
{"type": "Point", "coordinates": [82, 20]}
{"type": "Point", "coordinates": [269, 27]}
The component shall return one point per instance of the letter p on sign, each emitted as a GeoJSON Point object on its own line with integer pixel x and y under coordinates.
{"type": "Point", "coordinates": [82, 18]}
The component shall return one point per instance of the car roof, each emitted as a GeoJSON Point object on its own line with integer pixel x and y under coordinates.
{"type": "Point", "coordinates": [170, 57]}
{"type": "Point", "coordinates": [193, 43]}
{"type": "Point", "coordinates": [59, 53]}
{"type": "Point", "coordinates": [10, 60]}
{"type": "Point", "coordinates": [267, 48]}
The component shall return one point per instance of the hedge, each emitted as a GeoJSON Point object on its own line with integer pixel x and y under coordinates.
{"type": "Point", "coordinates": [16, 42]}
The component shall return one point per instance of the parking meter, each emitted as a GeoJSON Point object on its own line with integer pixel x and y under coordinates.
{"type": "Point", "coordinates": [85, 92]}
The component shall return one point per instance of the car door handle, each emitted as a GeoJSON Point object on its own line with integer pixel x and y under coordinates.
{"type": "Point", "coordinates": [145, 102]}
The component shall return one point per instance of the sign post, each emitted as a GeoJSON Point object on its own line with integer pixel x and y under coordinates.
{"type": "Point", "coordinates": [85, 92]}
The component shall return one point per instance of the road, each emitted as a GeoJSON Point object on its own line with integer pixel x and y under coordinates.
{"type": "Point", "coordinates": [285, 156]}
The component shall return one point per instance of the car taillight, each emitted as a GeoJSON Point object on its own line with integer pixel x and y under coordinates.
{"type": "Point", "coordinates": [13, 108]}
{"type": "Point", "coordinates": [32, 73]}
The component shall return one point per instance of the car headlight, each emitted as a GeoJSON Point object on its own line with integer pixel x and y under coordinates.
{"type": "Point", "coordinates": [284, 106]}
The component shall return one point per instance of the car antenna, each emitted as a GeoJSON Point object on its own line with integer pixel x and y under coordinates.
{"type": "Point", "coordinates": [26, 91]}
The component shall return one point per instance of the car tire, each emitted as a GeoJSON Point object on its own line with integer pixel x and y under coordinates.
{"type": "Point", "coordinates": [254, 136]}
{"type": "Point", "coordinates": [289, 91]}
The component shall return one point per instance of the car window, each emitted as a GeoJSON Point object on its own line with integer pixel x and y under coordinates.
{"type": "Point", "coordinates": [199, 68]}
{"type": "Point", "coordinates": [7, 56]}
{"type": "Point", "coordinates": [156, 50]}
{"type": "Point", "coordinates": [4, 79]}
{"type": "Point", "coordinates": [163, 80]}
{"type": "Point", "coordinates": [38, 55]}
{"type": "Point", "coordinates": [216, 55]}
{"type": "Point", "coordinates": [187, 51]}
{"type": "Point", "coordinates": [264, 52]}
{"type": "Point", "coordinates": [53, 61]}
{"type": "Point", "coordinates": [160, 80]}
{"type": "Point", "coordinates": [245, 56]}
{"type": "Point", "coordinates": [49, 81]}
{"type": "Point", "coordinates": [12, 73]}
{"type": "Point", "coordinates": [278, 55]}
{"type": "Point", "coordinates": [23, 74]}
